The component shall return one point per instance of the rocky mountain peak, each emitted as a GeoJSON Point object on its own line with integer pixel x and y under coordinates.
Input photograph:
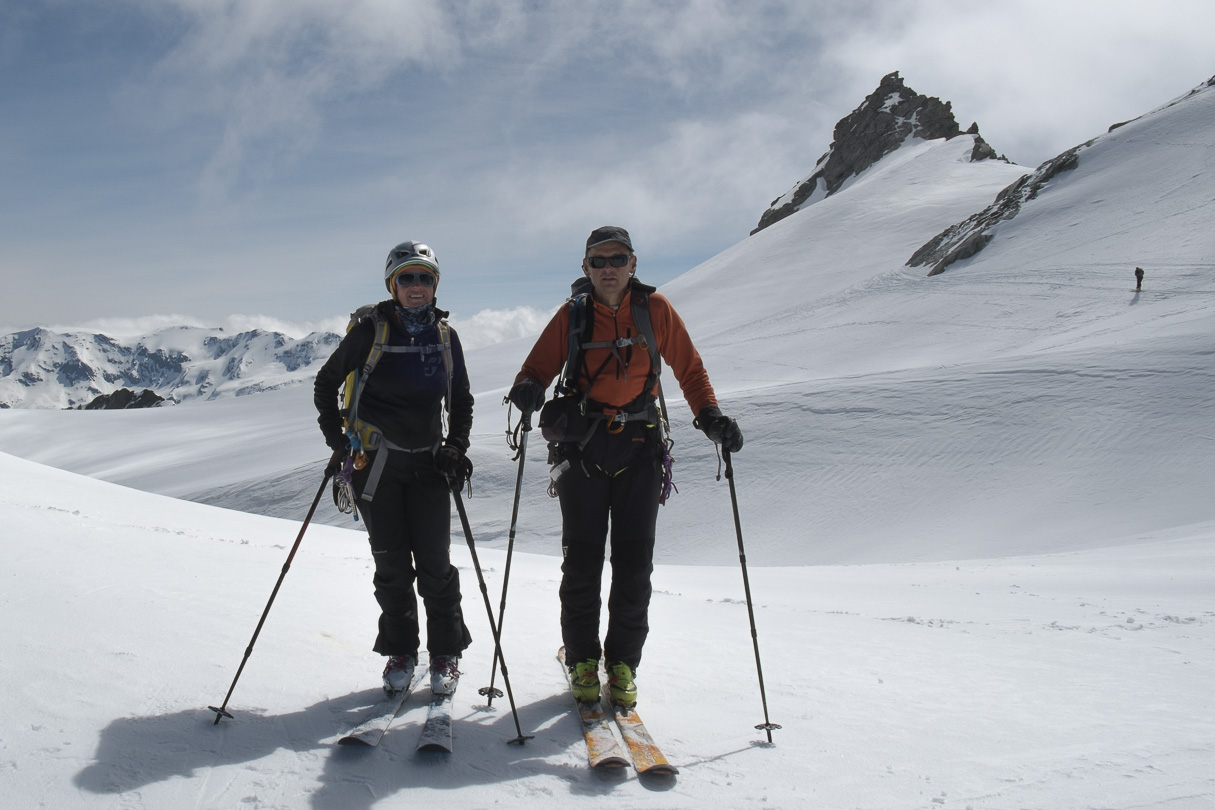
{"type": "Point", "coordinates": [885, 120]}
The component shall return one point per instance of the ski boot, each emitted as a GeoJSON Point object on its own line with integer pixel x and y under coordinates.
{"type": "Point", "coordinates": [398, 673]}
{"type": "Point", "coordinates": [444, 674]}
{"type": "Point", "coordinates": [584, 681]}
{"type": "Point", "coordinates": [622, 689]}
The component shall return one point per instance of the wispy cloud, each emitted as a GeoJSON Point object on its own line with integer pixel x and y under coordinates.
{"type": "Point", "coordinates": [262, 155]}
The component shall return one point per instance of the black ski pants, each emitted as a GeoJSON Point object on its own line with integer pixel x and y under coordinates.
{"type": "Point", "coordinates": [409, 527]}
{"type": "Point", "coordinates": [615, 483]}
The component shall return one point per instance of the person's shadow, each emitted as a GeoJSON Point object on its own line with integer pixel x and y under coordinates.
{"type": "Point", "coordinates": [134, 752]}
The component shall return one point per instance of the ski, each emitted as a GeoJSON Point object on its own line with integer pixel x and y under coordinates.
{"type": "Point", "coordinates": [436, 734]}
{"type": "Point", "coordinates": [601, 747]}
{"type": "Point", "coordinates": [371, 730]}
{"type": "Point", "coordinates": [647, 756]}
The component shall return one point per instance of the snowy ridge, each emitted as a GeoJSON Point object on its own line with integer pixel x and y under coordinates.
{"type": "Point", "coordinates": [965, 239]}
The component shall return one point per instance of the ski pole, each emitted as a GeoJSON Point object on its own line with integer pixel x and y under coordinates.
{"type": "Point", "coordinates": [491, 691]}
{"type": "Point", "coordinates": [222, 711]}
{"type": "Point", "coordinates": [489, 611]}
{"type": "Point", "coordinates": [766, 726]}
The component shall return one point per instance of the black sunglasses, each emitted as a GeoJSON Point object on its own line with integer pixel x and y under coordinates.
{"type": "Point", "coordinates": [407, 279]}
{"type": "Point", "coordinates": [599, 262]}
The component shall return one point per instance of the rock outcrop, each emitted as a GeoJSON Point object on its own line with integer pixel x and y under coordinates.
{"type": "Point", "coordinates": [125, 398]}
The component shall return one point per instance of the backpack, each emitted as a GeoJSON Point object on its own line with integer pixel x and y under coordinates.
{"type": "Point", "coordinates": [581, 330]}
{"type": "Point", "coordinates": [361, 435]}
{"type": "Point", "coordinates": [582, 326]}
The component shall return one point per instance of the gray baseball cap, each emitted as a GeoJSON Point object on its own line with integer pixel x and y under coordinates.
{"type": "Point", "coordinates": [609, 233]}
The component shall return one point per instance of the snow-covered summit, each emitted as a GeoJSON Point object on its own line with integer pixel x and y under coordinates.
{"type": "Point", "coordinates": [890, 116]}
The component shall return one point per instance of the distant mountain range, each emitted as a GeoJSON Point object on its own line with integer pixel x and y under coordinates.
{"type": "Point", "coordinates": [40, 368]}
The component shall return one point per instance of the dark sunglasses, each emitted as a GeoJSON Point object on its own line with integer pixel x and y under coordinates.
{"type": "Point", "coordinates": [599, 262]}
{"type": "Point", "coordinates": [407, 279]}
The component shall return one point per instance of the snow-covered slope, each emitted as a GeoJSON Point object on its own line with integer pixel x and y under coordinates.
{"type": "Point", "coordinates": [1067, 680]}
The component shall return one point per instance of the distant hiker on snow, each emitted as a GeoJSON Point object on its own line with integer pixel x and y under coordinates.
{"type": "Point", "coordinates": [603, 428]}
{"type": "Point", "coordinates": [1138, 279]}
{"type": "Point", "coordinates": [399, 361]}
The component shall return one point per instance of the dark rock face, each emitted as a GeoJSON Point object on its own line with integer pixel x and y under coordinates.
{"type": "Point", "coordinates": [123, 399]}
{"type": "Point", "coordinates": [968, 237]}
{"type": "Point", "coordinates": [888, 117]}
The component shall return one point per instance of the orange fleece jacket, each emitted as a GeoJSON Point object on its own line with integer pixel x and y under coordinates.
{"type": "Point", "coordinates": [617, 385]}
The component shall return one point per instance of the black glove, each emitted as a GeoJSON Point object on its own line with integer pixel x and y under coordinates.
{"type": "Point", "coordinates": [452, 464]}
{"type": "Point", "coordinates": [335, 463]}
{"type": "Point", "coordinates": [526, 395]}
{"type": "Point", "coordinates": [720, 429]}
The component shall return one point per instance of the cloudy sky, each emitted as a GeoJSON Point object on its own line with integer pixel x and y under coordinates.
{"type": "Point", "coordinates": [200, 159]}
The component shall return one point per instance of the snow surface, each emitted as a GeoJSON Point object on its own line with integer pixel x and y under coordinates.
{"type": "Point", "coordinates": [977, 510]}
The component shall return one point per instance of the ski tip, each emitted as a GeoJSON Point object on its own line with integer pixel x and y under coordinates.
{"type": "Point", "coordinates": [611, 764]}
{"type": "Point", "coordinates": [354, 741]}
{"type": "Point", "coordinates": [437, 748]}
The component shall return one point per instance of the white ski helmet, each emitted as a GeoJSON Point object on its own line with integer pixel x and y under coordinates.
{"type": "Point", "coordinates": [408, 254]}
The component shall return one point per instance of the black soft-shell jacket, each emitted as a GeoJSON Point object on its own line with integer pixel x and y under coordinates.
{"type": "Point", "coordinates": [404, 395]}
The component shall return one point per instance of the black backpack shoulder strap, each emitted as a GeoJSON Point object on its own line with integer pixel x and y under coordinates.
{"type": "Point", "coordinates": [582, 326]}
{"type": "Point", "coordinates": [640, 295]}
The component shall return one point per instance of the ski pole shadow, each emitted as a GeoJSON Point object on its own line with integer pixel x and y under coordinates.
{"type": "Point", "coordinates": [133, 752]}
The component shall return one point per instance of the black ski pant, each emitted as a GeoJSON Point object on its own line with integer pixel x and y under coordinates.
{"type": "Point", "coordinates": [614, 484]}
{"type": "Point", "coordinates": [409, 527]}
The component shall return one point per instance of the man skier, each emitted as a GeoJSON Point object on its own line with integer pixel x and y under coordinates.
{"type": "Point", "coordinates": [609, 444]}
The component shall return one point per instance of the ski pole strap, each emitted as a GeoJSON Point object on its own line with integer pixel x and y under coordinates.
{"type": "Point", "coordinates": [381, 457]}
